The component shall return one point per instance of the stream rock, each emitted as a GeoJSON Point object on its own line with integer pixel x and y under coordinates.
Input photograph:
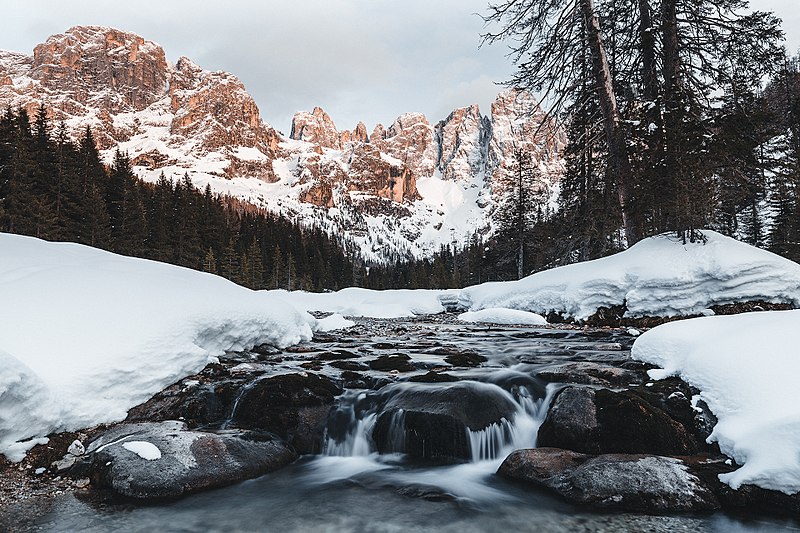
{"type": "Point", "coordinates": [294, 406]}
{"type": "Point", "coordinates": [430, 421]}
{"type": "Point", "coordinates": [199, 403]}
{"type": "Point", "coordinates": [620, 482]}
{"type": "Point", "coordinates": [590, 373]}
{"type": "Point", "coordinates": [598, 421]}
{"type": "Point", "coordinates": [166, 460]}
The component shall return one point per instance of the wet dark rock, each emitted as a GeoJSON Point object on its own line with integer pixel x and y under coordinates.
{"type": "Point", "coordinates": [673, 396]}
{"type": "Point", "coordinates": [353, 366]}
{"type": "Point", "coordinates": [384, 346]}
{"type": "Point", "coordinates": [335, 355]}
{"type": "Point", "coordinates": [465, 359]}
{"type": "Point", "coordinates": [311, 365]}
{"type": "Point", "coordinates": [185, 461]}
{"type": "Point", "coordinates": [386, 363]}
{"type": "Point", "coordinates": [294, 406]}
{"type": "Point", "coordinates": [622, 482]}
{"type": "Point", "coordinates": [354, 380]}
{"type": "Point", "coordinates": [433, 377]}
{"type": "Point", "coordinates": [321, 336]}
{"type": "Point", "coordinates": [430, 421]}
{"type": "Point", "coordinates": [602, 421]}
{"type": "Point", "coordinates": [426, 492]}
{"type": "Point", "coordinates": [607, 316]}
{"type": "Point", "coordinates": [265, 350]}
{"type": "Point", "coordinates": [590, 373]}
{"type": "Point", "coordinates": [300, 348]}
{"type": "Point", "coordinates": [199, 404]}
{"type": "Point", "coordinates": [748, 498]}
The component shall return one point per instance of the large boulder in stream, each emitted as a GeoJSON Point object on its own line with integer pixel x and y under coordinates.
{"type": "Point", "coordinates": [620, 482]}
{"type": "Point", "coordinates": [598, 421]}
{"type": "Point", "coordinates": [433, 421]}
{"type": "Point", "coordinates": [157, 460]}
{"type": "Point", "coordinates": [294, 406]}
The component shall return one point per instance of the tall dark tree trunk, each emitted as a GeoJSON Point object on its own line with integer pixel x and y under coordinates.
{"type": "Point", "coordinates": [672, 114]}
{"type": "Point", "coordinates": [619, 164]}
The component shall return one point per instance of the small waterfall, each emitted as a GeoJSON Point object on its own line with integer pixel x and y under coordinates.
{"type": "Point", "coordinates": [358, 442]}
{"type": "Point", "coordinates": [500, 439]}
{"type": "Point", "coordinates": [397, 432]}
{"type": "Point", "coordinates": [349, 432]}
{"type": "Point", "coordinates": [228, 421]}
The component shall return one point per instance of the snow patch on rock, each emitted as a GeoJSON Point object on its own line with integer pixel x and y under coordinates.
{"type": "Point", "coordinates": [146, 450]}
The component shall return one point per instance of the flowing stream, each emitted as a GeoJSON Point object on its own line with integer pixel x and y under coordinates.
{"type": "Point", "coordinates": [357, 485]}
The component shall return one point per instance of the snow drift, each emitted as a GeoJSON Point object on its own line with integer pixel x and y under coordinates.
{"type": "Point", "coordinates": [354, 301]}
{"type": "Point", "coordinates": [658, 276]}
{"type": "Point", "coordinates": [747, 367]}
{"type": "Point", "coordinates": [86, 334]}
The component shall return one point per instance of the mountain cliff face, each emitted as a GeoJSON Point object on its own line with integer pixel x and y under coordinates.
{"type": "Point", "coordinates": [395, 192]}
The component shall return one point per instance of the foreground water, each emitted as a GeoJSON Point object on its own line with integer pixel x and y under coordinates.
{"type": "Point", "coordinates": [351, 487]}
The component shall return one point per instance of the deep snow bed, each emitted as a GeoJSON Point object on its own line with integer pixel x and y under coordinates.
{"type": "Point", "coordinates": [503, 316]}
{"type": "Point", "coordinates": [748, 368]}
{"type": "Point", "coordinates": [355, 301]}
{"type": "Point", "coordinates": [658, 276]}
{"type": "Point", "coordinates": [86, 334]}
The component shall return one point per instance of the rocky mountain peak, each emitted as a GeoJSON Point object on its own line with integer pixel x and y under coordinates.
{"type": "Point", "coordinates": [378, 134]}
{"type": "Point", "coordinates": [95, 65]}
{"type": "Point", "coordinates": [463, 137]}
{"type": "Point", "coordinates": [360, 133]}
{"type": "Point", "coordinates": [410, 139]}
{"type": "Point", "coordinates": [184, 119]}
{"type": "Point", "coordinates": [519, 123]}
{"type": "Point", "coordinates": [315, 127]}
{"type": "Point", "coordinates": [122, 86]}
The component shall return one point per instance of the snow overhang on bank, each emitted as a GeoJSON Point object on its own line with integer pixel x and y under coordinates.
{"type": "Point", "coordinates": [747, 368]}
{"type": "Point", "coordinates": [86, 334]}
{"type": "Point", "coordinates": [659, 276]}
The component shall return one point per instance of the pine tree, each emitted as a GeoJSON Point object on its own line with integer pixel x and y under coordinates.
{"type": "Point", "coordinates": [229, 263]}
{"type": "Point", "coordinates": [210, 262]}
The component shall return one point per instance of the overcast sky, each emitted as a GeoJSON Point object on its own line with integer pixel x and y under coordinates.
{"type": "Point", "coordinates": [367, 60]}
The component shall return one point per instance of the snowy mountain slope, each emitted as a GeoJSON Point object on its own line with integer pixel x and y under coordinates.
{"type": "Point", "coordinates": [86, 334]}
{"type": "Point", "coordinates": [400, 191]}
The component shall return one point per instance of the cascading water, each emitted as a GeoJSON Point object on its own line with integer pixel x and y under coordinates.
{"type": "Point", "coordinates": [499, 439]}
{"type": "Point", "coordinates": [350, 431]}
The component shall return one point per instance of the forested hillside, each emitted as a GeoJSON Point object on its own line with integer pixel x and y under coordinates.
{"type": "Point", "coordinates": [56, 190]}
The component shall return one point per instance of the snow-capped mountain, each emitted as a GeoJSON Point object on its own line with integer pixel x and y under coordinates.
{"type": "Point", "coordinates": [402, 190]}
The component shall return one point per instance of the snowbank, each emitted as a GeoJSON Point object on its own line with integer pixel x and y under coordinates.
{"type": "Point", "coordinates": [503, 316]}
{"type": "Point", "coordinates": [355, 301]}
{"type": "Point", "coordinates": [747, 367]}
{"type": "Point", "coordinates": [659, 276]}
{"type": "Point", "coordinates": [87, 334]}
{"type": "Point", "coordinates": [333, 323]}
